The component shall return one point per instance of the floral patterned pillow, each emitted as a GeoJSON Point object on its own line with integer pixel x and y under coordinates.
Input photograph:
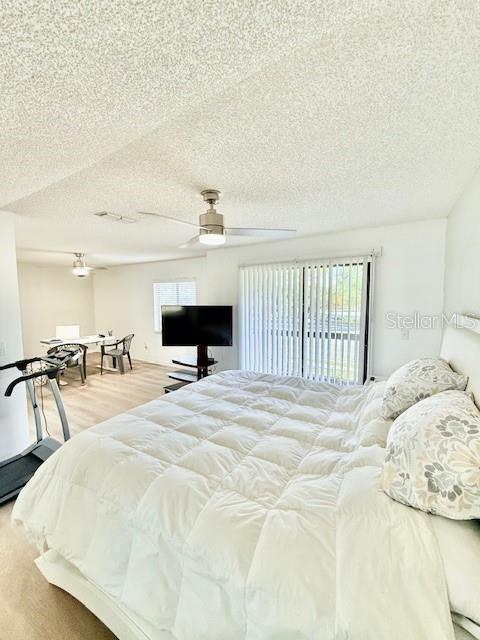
{"type": "Point", "coordinates": [433, 457]}
{"type": "Point", "coordinates": [417, 380]}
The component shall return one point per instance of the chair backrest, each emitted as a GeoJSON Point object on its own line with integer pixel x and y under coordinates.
{"type": "Point", "coordinates": [127, 341]}
{"type": "Point", "coordinates": [69, 353]}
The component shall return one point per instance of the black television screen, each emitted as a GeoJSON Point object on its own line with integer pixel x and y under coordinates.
{"type": "Point", "coordinates": [189, 326]}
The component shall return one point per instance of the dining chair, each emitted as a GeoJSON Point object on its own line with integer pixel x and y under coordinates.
{"type": "Point", "coordinates": [117, 352]}
{"type": "Point", "coordinates": [78, 357]}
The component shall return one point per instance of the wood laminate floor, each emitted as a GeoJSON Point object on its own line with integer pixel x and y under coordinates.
{"type": "Point", "coordinates": [30, 608]}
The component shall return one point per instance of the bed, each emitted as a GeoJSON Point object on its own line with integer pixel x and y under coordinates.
{"type": "Point", "coordinates": [244, 506]}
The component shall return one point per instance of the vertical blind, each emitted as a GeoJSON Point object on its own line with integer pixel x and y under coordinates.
{"type": "Point", "coordinates": [173, 292]}
{"type": "Point", "coordinates": [306, 319]}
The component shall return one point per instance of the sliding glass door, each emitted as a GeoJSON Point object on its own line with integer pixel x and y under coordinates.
{"type": "Point", "coordinates": [307, 319]}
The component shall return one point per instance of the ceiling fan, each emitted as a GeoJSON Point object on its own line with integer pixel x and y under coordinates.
{"type": "Point", "coordinates": [211, 228]}
{"type": "Point", "coordinates": [79, 266]}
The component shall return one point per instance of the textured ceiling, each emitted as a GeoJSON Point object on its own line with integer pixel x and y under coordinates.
{"type": "Point", "coordinates": [323, 116]}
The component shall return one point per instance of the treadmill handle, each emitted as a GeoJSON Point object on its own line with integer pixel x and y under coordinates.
{"type": "Point", "coordinates": [50, 373]}
{"type": "Point", "coordinates": [21, 365]}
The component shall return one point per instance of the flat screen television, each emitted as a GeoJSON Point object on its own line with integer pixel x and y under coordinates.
{"type": "Point", "coordinates": [194, 325]}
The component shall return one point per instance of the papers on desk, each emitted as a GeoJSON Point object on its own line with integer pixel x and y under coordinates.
{"type": "Point", "coordinates": [94, 339]}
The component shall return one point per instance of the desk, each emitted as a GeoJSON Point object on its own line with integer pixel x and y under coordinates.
{"type": "Point", "coordinates": [85, 340]}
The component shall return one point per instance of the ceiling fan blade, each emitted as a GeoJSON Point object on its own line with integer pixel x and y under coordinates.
{"type": "Point", "coordinates": [59, 252]}
{"type": "Point", "coordinates": [171, 218]}
{"type": "Point", "coordinates": [190, 243]}
{"type": "Point", "coordinates": [261, 233]}
{"type": "Point", "coordinates": [116, 217]}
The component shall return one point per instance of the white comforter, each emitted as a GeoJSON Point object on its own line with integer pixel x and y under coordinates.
{"type": "Point", "coordinates": [244, 507]}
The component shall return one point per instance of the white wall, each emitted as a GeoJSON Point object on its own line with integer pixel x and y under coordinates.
{"type": "Point", "coordinates": [51, 296]}
{"type": "Point", "coordinates": [13, 410]}
{"type": "Point", "coordinates": [462, 268]}
{"type": "Point", "coordinates": [408, 279]}
{"type": "Point", "coordinates": [124, 303]}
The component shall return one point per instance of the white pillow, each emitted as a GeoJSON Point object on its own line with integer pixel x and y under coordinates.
{"type": "Point", "coordinates": [432, 461]}
{"type": "Point", "coordinates": [417, 380]}
{"type": "Point", "coordinates": [459, 546]}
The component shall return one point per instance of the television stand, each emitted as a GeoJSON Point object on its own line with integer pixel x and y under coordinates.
{"type": "Point", "coordinates": [201, 362]}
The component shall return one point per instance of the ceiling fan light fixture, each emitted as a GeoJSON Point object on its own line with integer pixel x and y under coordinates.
{"type": "Point", "coordinates": [212, 238]}
{"type": "Point", "coordinates": [81, 272]}
{"type": "Point", "coordinates": [211, 231]}
{"type": "Point", "coordinates": [80, 268]}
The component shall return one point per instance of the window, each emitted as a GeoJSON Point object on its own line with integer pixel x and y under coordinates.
{"type": "Point", "coordinates": [307, 319]}
{"type": "Point", "coordinates": [173, 292]}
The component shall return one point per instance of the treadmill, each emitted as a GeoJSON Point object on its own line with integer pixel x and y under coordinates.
{"type": "Point", "coordinates": [16, 471]}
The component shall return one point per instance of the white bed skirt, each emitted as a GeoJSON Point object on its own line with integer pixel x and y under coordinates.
{"type": "Point", "coordinates": [64, 575]}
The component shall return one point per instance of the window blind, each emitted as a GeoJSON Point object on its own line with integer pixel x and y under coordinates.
{"type": "Point", "coordinates": [306, 319]}
{"type": "Point", "coordinates": [182, 292]}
